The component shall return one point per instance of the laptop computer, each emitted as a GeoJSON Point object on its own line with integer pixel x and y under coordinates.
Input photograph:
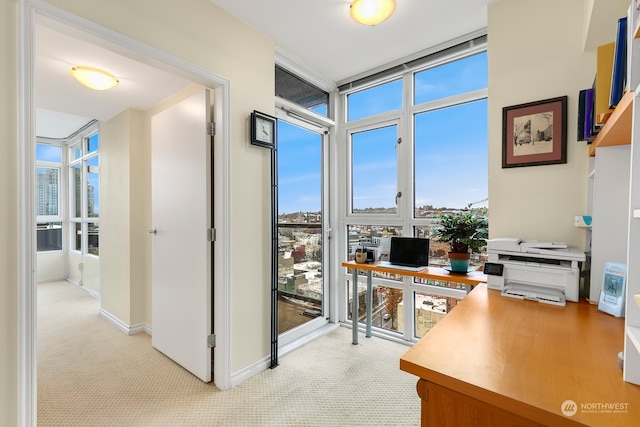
{"type": "Point", "coordinates": [408, 253]}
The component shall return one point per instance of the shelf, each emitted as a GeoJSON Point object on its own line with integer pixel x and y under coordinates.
{"type": "Point", "coordinates": [617, 130]}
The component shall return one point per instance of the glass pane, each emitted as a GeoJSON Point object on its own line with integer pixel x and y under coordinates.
{"type": "Point", "coordinates": [451, 168]}
{"type": "Point", "coordinates": [300, 251]}
{"type": "Point", "coordinates": [48, 153]}
{"type": "Point", "coordinates": [376, 237]}
{"type": "Point", "coordinates": [374, 171]}
{"type": "Point", "coordinates": [76, 191]}
{"type": "Point", "coordinates": [93, 143]}
{"type": "Point", "coordinates": [49, 236]}
{"type": "Point", "coordinates": [93, 187]}
{"type": "Point", "coordinates": [76, 237]}
{"type": "Point", "coordinates": [293, 88]}
{"type": "Point", "coordinates": [429, 310]}
{"type": "Point", "coordinates": [453, 78]}
{"type": "Point", "coordinates": [387, 308]}
{"type": "Point", "coordinates": [438, 252]}
{"type": "Point", "coordinates": [386, 311]}
{"type": "Point", "coordinates": [375, 100]}
{"type": "Point", "coordinates": [48, 191]}
{"type": "Point", "coordinates": [75, 151]}
{"type": "Point", "coordinates": [93, 242]}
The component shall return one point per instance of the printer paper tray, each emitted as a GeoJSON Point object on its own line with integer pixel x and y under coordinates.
{"type": "Point", "coordinates": [533, 292]}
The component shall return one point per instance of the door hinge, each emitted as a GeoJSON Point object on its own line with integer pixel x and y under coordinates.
{"type": "Point", "coordinates": [211, 341]}
{"type": "Point", "coordinates": [211, 234]}
{"type": "Point", "coordinates": [211, 128]}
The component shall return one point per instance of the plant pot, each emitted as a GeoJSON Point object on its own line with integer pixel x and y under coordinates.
{"type": "Point", "coordinates": [459, 261]}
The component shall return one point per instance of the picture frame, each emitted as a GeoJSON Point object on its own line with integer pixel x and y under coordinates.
{"type": "Point", "coordinates": [263, 129]}
{"type": "Point", "coordinates": [535, 133]}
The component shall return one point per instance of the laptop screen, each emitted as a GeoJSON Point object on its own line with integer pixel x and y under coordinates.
{"type": "Point", "coordinates": [409, 251]}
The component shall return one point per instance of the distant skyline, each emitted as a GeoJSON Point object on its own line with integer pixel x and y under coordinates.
{"type": "Point", "coordinates": [451, 159]}
{"type": "Point", "coordinates": [53, 154]}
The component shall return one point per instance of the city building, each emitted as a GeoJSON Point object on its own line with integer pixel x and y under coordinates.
{"type": "Point", "coordinates": [212, 48]}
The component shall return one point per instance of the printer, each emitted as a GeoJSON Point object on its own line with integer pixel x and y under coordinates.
{"type": "Point", "coordinates": [547, 272]}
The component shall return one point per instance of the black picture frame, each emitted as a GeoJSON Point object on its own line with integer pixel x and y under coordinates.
{"type": "Point", "coordinates": [263, 130]}
{"type": "Point", "coordinates": [535, 133]}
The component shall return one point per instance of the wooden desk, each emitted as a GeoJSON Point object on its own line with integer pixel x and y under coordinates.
{"type": "Point", "coordinates": [433, 273]}
{"type": "Point", "coordinates": [497, 361]}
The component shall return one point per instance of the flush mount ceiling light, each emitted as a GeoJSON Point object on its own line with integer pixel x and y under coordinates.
{"type": "Point", "coordinates": [372, 12]}
{"type": "Point", "coordinates": [94, 78]}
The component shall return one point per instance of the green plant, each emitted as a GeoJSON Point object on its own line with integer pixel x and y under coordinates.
{"type": "Point", "coordinates": [464, 230]}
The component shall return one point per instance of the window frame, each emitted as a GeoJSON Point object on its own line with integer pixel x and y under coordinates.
{"type": "Point", "coordinates": [369, 125]}
{"type": "Point", "coordinates": [405, 214]}
{"type": "Point", "coordinates": [59, 218]}
{"type": "Point", "coordinates": [81, 141]}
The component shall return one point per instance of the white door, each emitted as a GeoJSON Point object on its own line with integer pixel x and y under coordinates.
{"type": "Point", "coordinates": [181, 216]}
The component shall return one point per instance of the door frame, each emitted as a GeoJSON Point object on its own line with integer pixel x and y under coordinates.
{"type": "Point", "coordinates": [28, 10]}
{"type": "Point", "coordinates": [296, 116]}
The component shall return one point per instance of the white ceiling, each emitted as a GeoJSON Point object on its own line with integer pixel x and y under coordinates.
{"type": "Point", "coordinates": [64, 105]}
{"type": "Point", "coordinates": [318, 35]}
{"type": "Point", "coordinates": [322, 35]}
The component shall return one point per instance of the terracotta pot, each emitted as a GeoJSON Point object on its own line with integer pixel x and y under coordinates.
{"type": "Point", "coordinates": [459, 261]}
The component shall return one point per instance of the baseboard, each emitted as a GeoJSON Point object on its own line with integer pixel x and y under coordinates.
{"type": "Point", "coordinates": [263, 364]}
{"type": "Point", "coordinates": [127, 329]}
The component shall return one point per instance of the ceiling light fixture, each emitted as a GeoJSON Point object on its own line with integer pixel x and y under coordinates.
{"type": "Point", "coordinates": [372, 12]}
{"type": "Point", "coordinates": [94, 78]}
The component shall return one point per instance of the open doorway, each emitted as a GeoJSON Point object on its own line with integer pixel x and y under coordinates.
{"type": "Point", "coordinates": [103, 38]}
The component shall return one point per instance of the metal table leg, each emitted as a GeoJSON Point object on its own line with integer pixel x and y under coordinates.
{"type": "Point", "coordinates": [369, 303]}
{"type": "Point", "coordinates": [354, 306]}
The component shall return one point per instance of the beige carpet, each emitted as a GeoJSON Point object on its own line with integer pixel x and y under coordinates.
{"type": "Point", "coordinates": [91, 374]}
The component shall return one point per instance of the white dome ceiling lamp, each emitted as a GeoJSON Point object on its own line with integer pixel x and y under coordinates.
{"type": "Point", "coordinates": [94, 78]}
{"type": "Point", "coordinates": [371, 12]}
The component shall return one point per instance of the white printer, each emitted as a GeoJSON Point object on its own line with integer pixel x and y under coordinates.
{"type": "Point", "coordinates": [547, 272]}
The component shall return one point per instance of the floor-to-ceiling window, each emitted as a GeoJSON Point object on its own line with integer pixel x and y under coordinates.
{"type": "Point", "coordinates": [68, 207]}
{"type": "Point", "coordinates": [303, 130]}
{"type": "Point", "coordinates": [48, 194]}
{"type": "Point", "coordinates": [50, 210]}
{"type": "Point", "coordinates": [301, 282]}
{"type": "Point", "coordinates": [414, 145]}
{"type": "Point", "coordinates": [84, 208]}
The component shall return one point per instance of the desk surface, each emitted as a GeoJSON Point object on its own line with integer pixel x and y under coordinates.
{"type": "Point", "coordinates": [529, 358]}
{"type": "Point", "coordinates": [472, 278]}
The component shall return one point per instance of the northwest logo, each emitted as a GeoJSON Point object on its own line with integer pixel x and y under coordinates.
{"type": "Point", "coordinates": [569, 408]}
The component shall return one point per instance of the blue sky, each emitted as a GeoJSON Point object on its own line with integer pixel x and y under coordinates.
{"type": "Point", "coordinates": [450, 146]}
{"type": "Point", "coordinates": [299, 168]}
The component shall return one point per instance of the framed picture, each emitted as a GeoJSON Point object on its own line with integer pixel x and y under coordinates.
{"type": "Point", "coordinates": [535, 133]}
{"type": "Point", "coordinates": [263, 129]}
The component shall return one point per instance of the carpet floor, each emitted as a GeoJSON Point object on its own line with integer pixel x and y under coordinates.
{"type": "Point", "coordinates": [92, 374]}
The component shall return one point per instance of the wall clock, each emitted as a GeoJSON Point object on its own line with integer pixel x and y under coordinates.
{"type": "Point", "coordinates": [263, 129]}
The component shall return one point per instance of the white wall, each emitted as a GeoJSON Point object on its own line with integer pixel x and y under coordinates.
{"type": "Point", "coordinates": [117, 137]}
{"type": "Point", "coordinates": [535, 53]}
{"type": "Point", "coordinates": [50, 266]}
{"type": "Point", "coordinates": [91, 274]}
{"type": "Point", "coordinates": [610, 211]}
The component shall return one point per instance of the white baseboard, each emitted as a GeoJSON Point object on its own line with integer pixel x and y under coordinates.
{"type": "Point", "coordinates": [127, 329]}
{"type": "Point", "coordinates": [263, 364]}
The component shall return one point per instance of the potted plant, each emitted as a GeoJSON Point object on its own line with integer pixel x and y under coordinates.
{"type": "Point", "coordinates": [466, 231]}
